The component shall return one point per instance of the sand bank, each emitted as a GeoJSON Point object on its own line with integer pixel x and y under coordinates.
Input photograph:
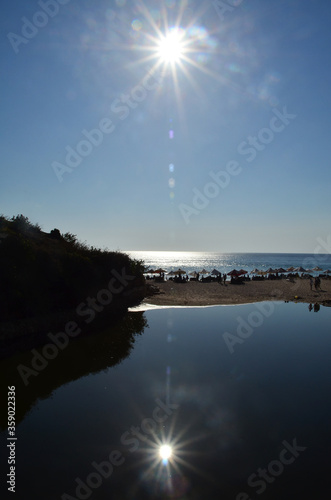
{"type": "Point", "coordinates": [203, 294]}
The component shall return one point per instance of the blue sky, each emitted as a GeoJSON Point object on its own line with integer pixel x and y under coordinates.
{"type": "Point", "coordinates": [252, 84]}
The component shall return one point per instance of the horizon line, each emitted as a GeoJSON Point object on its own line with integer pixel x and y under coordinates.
{"type": "Point", "coordinates": [227, 252]}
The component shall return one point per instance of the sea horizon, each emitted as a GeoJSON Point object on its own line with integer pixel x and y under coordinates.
{"type": "Point", "coordinates": [224, 253]}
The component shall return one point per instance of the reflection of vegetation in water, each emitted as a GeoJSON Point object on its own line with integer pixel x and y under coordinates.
{"type": "Point", "coordinates": [82, 356]}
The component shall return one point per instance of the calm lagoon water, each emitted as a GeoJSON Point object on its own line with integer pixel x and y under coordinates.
{"type": "Point", "coordinates": [227, 415]}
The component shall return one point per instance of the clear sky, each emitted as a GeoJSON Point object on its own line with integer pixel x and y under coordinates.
{"type": "Point", "coordinates": [220, 145]}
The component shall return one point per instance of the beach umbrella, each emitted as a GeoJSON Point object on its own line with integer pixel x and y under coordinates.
{"type": "Point", "coordinates": [262, 272]}
{"type": "Point", "coordinates": [149, 271]}
{"type": "Point", "coordinates": [327, 271]}
{"type": "Point", "coordinates": [290, 269]}
{"type": "Point", "coordinates": [317, 269]}
{"type": "Point", "coordinates": [271, 271]}
{"type": "Point", "coordinates": [215, 272]}
{"type": "Point", "coordinates": [242, 271]}
{"type": "Point", "coordinates": [254, 271]}
{"type": "Point", "coordinates": [280, 270]}
{"type": "Point", "coordinates": [179, 271]}
{"type": "Point", "coordinates": [160, 271]}
{"type": "Point", "coordinates": [300, 270]}
{"type": "Point", "coordinates": [234, 272]}
{"type": "Point", "coordinates": [204, 271]}
{"type": "Point", "coordinates": [194, 274]}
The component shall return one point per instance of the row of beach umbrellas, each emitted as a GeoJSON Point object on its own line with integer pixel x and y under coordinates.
{"type": "Point", "coordinates": [179, 271]}
{"type": "Point", "coordinates": [289, 270]}
{"type": "Point", "coordinates": [239, 272]}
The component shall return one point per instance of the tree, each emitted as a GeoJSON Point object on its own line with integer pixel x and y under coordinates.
{"type": "Point", "coordinates": [70, 238]}
{"type": "Point", "coordinates": [55, 233]}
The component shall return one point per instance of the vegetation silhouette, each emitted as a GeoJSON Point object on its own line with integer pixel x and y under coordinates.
{"type": "Point", "coordinates": [45, 276]}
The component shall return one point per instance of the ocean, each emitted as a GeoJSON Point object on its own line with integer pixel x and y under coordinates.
{"type": "Point", "coordinates": [225, 262]}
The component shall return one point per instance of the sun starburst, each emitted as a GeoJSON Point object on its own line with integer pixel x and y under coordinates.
{"type": "Point", "coordinates": [171, 48]}
{"type": "Point", "coordinates": [165, 452]}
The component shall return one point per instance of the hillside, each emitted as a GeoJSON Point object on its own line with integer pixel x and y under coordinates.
{"type": "Point", "coordinates": [47, 278]}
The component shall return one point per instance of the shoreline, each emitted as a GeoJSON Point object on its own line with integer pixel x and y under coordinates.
{"type": "Point", "coordinates": [169, 293]}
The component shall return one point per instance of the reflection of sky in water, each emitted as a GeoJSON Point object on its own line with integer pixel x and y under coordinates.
{"type": "Point", "coordinates": [234, 409]}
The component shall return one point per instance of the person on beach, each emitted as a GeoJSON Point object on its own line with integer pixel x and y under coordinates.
{"type": "Point", "coordinates": [224, 278]}
{"type": "Point", "coordinates": [317, 283]}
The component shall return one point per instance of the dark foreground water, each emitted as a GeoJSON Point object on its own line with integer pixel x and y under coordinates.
{"type": "Point", "coordinates": [241, 394]}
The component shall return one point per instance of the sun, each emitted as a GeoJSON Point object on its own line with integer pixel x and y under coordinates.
{"type": "Point", "coordinates": [171, 47]}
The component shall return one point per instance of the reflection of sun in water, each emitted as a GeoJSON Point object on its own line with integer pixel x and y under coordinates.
{"type": "Point", "coordinates": [167, 459]}
{"type": "Point", "coordinates": [165, 452]}
{"type": "Point", "coordinates": [170, 47]}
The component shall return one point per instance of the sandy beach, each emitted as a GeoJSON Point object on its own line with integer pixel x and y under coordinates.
{"type": "Point", "coordinates": [202, 294]}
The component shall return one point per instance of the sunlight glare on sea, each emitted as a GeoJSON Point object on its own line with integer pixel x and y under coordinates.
{"type": "Point", "coordinates": [225, 262]}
